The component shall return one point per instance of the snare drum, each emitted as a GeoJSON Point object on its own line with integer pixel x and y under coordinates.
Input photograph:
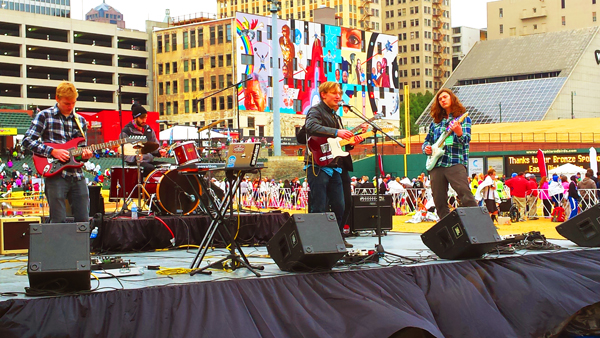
{"type": "Point", "coordinates": [175, 194]}
{"type": "Point", "coordinates": [117, 187]}
{"type": "Point", "coordinates": [186, 153]}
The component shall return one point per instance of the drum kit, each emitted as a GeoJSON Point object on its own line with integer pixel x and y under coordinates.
{"type": "Point", "coordinates": [164, 191]}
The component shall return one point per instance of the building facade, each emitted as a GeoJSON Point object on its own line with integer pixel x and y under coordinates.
{"type": "Point", "coordinates": [424, 40]}
{"type": "Point", "coordinates": [223, 69]}
{"type": "Point", "coordinates": [359, 14]}
{"type": "Point", "coordinates": [37, 52]}
{"type": "Point", "coordinates": [60, 8]}
{"type": "Point", "coordinates": [106, 14]}
{"type": "Point", "coordinates": [463, 39]}
{"type": "Point", "coordinates": [510, 18]}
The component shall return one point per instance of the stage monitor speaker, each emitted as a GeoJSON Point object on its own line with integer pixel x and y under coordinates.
{"type": "Point", "coordinates": [307, 242]}
{"type": "Point", "coordinates": [364, 212]}
{"type": "Point", "coordinates": [96, 200]}
{"type": "Point", "coordinates": [464, 233]}
{"type": "Point", "coordinates": [59, 257]}
{"type": "Point", "coordinates": [583, 229]}
{"type": "Point", "coordinates": [14, 234]}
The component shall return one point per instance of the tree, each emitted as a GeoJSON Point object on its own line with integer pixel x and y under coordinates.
{"type": "Point", "coordinates": [418, 103]}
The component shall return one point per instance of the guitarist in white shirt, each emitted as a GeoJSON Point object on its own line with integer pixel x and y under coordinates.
{"type": "Point", "coordinates": [451, 167]}
{"type": "Point", "coordinates": [59, 124]}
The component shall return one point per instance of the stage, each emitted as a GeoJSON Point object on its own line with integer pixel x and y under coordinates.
{"type": "Point", "coordinates": [528, 294]}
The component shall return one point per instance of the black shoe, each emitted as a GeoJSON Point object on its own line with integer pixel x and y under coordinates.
{"type": "Point", "coordinates": [348, 245]}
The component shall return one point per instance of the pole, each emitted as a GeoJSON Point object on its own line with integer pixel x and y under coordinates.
{"type": "Point", "coordinates": [406, 127]}
{"type": "Point", "coordinates": [276, 85]}
{"type": "Point", "coordinates": [572, 114]}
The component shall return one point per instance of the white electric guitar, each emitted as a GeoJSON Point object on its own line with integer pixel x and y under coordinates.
{"type": "Point", "coordinates": [437, 149]}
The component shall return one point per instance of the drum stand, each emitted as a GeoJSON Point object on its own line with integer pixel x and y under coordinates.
{"type": "Point", "coordinates": [139, 186]}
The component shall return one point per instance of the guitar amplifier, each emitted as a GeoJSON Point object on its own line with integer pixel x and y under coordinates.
{"type": "Point", "coordinates": [364, 212]}
{"type": "Point", "coordinates": [14, 234]}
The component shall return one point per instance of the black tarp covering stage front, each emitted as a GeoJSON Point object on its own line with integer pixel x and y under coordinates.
{"type": "Point", "coordinates": [145, 234]}
{"type": "Point", "coordinates": [525, 296]}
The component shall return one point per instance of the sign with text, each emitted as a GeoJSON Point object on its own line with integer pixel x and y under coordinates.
{"type": "Point", "coordinates": [475, 165]}
{"type": "Point", "coordinates": [8, 131]}
{"type": "Point", "coordinates": [529, 163]}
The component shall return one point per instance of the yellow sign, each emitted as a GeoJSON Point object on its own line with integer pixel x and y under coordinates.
{"type": "Point", "coordinates": [8, 131]}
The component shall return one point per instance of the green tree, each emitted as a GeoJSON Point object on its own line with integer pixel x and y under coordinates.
{"type": "Point", "coordinates": [418, 103]}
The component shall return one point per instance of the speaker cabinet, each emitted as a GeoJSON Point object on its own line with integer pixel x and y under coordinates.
{"type": "Point", "coordinates": [96, 200]}
{"type": "Point", "coordinates": [14, 234]}
{"type": "Point", "coordinates": [464, 233]}
{"type": "Point", "coordinates": [59, 257]}
{"type": "Point", "coordinates": [307, 242]}
{"type": "Point", "coordinates": [583, 229]}
{"type": "Point", "coordinates": [364, 212]}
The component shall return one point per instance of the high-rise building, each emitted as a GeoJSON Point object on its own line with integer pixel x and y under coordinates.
{"type": "Point", "coordinates": [463, 39]}
{"type": "Point", "coordinates": [60, 8]}
{"type": "Point", "coordinates": [107, 14]}
{"type": "Point", "coordinates": [198, 65]}
{"type": "Point", "coordinates": [360, 14]}
{"type": "Point", "coordinates": [36, 55]}
{"type": "Point", "coordinates": [509, 18]}
{"type": "Point", "coordinates": [424, 41]}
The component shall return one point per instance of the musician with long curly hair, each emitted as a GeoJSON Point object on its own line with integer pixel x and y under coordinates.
{"type": "Point", "coordinates": [451, 167]}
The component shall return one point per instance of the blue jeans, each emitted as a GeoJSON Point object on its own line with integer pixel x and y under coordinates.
{"type": "Point", "coordinates": [325, 193]}
{"type": "Point", "coordinates": [58, 189]}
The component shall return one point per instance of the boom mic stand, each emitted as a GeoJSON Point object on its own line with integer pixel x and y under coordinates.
{"type": "Point", "coordinates": [380, 251]}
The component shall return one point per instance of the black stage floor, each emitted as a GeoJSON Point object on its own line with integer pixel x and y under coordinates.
{"type": "Point", "coordinates": [528, 294]}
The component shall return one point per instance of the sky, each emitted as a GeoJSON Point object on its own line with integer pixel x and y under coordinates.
{"type": "Point", "coordinates": [470, 13]}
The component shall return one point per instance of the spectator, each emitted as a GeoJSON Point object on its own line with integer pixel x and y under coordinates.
{"type": "Point", "coordinates": [556, 191]}
{"type": "Point", "coordinates": [545, 196]}
{"type": "Point", "coordinates": [532, 196]}
{"type": "Point", "coordinates": [518, 187]}
{"type": "Point", "coordinates": [587, 186]}
{"type": "Point", "coordinates": [573, 197]}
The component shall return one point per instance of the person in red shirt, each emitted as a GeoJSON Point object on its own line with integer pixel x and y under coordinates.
{"type": "Point", "coordinates": [532, 196]}
{"type": "Point", "coordinates": [518, 188]}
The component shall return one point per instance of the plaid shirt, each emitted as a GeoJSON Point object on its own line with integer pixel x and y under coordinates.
{"type": "Point", "coordinates": [51, 126]}
{"type": "Point", "coordinates": [458, 151]}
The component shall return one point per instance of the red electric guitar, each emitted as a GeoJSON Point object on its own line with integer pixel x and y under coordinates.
{"type": "Point", "coordinates": [50, 166]}
{"type": "Point", "coordinates": [326, 149]}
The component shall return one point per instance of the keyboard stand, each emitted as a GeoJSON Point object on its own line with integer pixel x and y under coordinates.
{"type": "Point", "coordinates": [218, 224]}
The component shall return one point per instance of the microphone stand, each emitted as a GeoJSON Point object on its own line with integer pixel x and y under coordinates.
{"type": "Point", "coordinates": [379, 249]}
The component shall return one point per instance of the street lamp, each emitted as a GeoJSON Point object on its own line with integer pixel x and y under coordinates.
{"type": "Point", "coordinates": [276, 85]}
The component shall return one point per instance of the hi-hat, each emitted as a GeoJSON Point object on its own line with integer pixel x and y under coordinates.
{"type": "Point", "coordinates": [146, 148]}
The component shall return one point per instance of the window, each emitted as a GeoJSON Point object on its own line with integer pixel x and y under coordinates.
{"type": "Point", "coordinates": [228, 33]}
{"type": "Point", "coordinates": [167, 45]}
{"type": "Point", "coordinates": [200, 37]}
{"type": "Point", "coordinates": [221, 82]}
{"type": "Point", "coordinates": [221, 102]}
{"type": "Point", "coordinates": [159, 44]}
{"type": "Point", "coordinates": [594, 16]}
{"type": "Point", "coordinates": [213, 103]}
{"type": "Point", "coordinates": [174, 41]}
{"type": "Point", "coordinates": [193, 65]}
{"type": "Point", "coordinates": [213, 62]}
{"type": "Point", "coordinates": [175, 67]}
{"type": "Point", "coordinates": [186, 106]}
{"type": "Point", "coordinates": [201, 63]}
{"type": "Point", "coordinates": [193, 39]}
{"type": "Point", "coordinates": [247, 59]}
{"type": "Point", "coordinates": [186, 86]}
{"type": "Point", "coordinates": [212, 35]}
{"type": "Point", "coordinates": [220, 58]}
{"type": "Point", "coordinates": [160, 69]}
{"type": "Point", "coordinates": [160, 88]}
{"type": "Point", "coordinates": [175, 107]}
{"type": "Point", "coordinates": [175, 87]}
{"type": "Point", "coordinates": [269, 32]}
{"type": "Point", "coordinates": [220, 34]}
{"type": "Point", "coordinates": [168, 108]}
{"type": "Point", "coordinates": [168, 88]}
{"type": "Point", "coordinates": [562, 4]}
{"type": "Point", "coordinates": [201, 83]}
{"type": "Point", "coordinates": [564, 21]}
{"type": "Point", "coordinates": [167, 68]}
{"type": "Point", "coordinates": [229, 80]}
{"type": "Point", "coordinates": [186, 65]}
{"type": "Point", "coordinates": [502, 28]}
{"type": "Point", "coordinates": [213, 82]}
{"type": "Point", "coordinates": [194, 87]}
{"type": "Point", "coordinates": [202, 106]}
{"type": "Point", "coordinates": [250, 122]}
{"type": "Point", "coordinates": [230, 103]}
{"type": "Point", "coordinates": [500, 14]}
{"type": "Point", "coordinates": [186, 40]}
{"type": "Point", "coordinates": [228, 59]}
{"type": "Point", "coordinates": [194, 106]}
{"type": "Point", "coordinates": [161, 108]}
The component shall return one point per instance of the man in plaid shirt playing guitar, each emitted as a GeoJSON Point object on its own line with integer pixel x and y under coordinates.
{"type": "Point", "coordinates": [60, 124]}
{"type": "Point", "coordinates": [452, 165]}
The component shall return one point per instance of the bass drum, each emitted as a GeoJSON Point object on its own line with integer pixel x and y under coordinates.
{"type": "Point", "coordinates": [175, 194]}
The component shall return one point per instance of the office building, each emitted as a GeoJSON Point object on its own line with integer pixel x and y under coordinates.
{"type": "Point", "coordinates": [510, 18]}
{"type": "Point", "coordinates": [61, 8]}
{"type": "Point", "coordinates": [106, 14]}
{"type": "Point", "coordinates": [463, 39]}
{"type": "Point", "coordinates": [37, 52]}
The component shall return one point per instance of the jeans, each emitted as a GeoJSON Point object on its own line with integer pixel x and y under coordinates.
{"type": "Point", "coordinates": [456, 176]}
{"type": "Point", "coordinates": [58, 189]}
{"type": "Point", "coordinates": [325, 193]}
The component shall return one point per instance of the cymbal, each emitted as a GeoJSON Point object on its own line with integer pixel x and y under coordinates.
{"type": "Point", "coordinates": [146, 148]}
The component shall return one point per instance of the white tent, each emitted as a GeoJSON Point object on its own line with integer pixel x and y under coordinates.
{"type": "Point", "coordinates": [567, 169]}
{"type": "Point", "coordinates": [181, 133]}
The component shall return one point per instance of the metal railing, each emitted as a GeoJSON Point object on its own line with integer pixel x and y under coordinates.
{"type": "Point", "coordinates": [531, 137]}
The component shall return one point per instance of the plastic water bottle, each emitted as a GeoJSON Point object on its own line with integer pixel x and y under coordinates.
{"type": "Point", "coordinates": [134, 211]}
{"type": "Point", "coordinates": [94, 233]}
{"type": "Point", "coordinates": [346, 229]}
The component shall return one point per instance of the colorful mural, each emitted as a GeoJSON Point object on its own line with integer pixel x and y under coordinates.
{"type": "Point", "coordinates": [364, 63]}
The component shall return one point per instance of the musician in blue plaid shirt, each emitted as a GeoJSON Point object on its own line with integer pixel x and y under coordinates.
{"type": "Point", "coordinates": [58, 125]}
{"type": "Point", "coordinates": [451, 168]}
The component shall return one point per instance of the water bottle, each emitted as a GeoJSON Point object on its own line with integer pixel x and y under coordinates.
{"type": "Point", "coordinates": [134, 211]}
{"type": "Point", "coordinates": [346, 229]}
{"type": "Point", "coordinates": [94, 233]}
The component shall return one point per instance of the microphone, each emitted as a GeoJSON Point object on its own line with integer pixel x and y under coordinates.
{"type": "Point", "coordinates": [191, 197]}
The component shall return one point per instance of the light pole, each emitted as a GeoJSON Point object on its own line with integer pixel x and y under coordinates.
{"type": "Point", "coordinates": [573, 93]}
{"type": "Point", "coordinates": [276, 85]}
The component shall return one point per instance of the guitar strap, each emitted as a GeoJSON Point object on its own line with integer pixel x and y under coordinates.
{"type": "Point", "coordinates": [76, 117]}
